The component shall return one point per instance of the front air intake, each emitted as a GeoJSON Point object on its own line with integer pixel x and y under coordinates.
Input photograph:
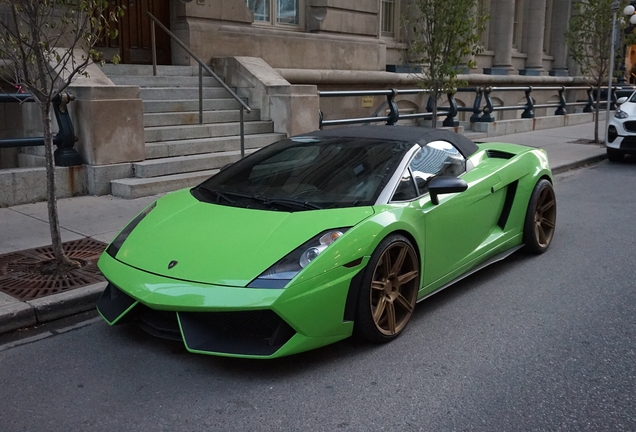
{"type": "Point", "coordinates": [258, 333]}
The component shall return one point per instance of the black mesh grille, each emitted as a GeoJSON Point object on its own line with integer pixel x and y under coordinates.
{"type": "Point", "coordinates": [630, 126]}
{"type": "Point", "coordinates": [629, 143]}
{"type": "Point", "coordinates": [250, 332]}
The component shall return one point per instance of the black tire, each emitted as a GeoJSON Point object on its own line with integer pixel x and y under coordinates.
{"type": "Point", "coordinates": [388, 292]}
{"type": "Point", "coordinates": [613, 155]}
{"type": "Point", "coordinates": [538, 229]}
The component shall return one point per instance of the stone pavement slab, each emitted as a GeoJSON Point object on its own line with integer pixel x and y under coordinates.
{"type": "Point", "coordinates": [20, 231]}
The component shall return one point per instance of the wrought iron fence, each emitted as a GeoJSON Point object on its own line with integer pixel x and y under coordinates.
{"type": "Point", "coordinates": [64, 139]}
{"type": "Point", "coordinates": [482, 109]}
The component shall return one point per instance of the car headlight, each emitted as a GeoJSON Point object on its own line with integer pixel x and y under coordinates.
{"type": "Point", "coordinates": [116, 244]}
{"type": "Point", "coordinates": [621, 114]}
{"type": "Point", "coordinates": [279, 275]}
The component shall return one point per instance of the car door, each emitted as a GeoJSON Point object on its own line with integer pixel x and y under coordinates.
{"type": "Point", "coordinates": [460, 227]}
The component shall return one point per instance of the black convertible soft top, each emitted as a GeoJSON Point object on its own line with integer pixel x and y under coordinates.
{"type": "Point", "coordinates": [420, 135]}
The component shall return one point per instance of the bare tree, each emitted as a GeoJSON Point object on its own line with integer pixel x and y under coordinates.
{"type": "Point", "coordinates": [46, 44]}
{"type": "Point", "coordinates": [589, 39]}
{"type": "Point", "coordinates": [444, 35]}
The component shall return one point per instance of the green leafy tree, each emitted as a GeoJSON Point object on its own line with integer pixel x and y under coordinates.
{"type": "Point", "coordinates": [443, 36]}
{"type": "Point", "coordinates": [46, 44]}
{"type": "Point", "coordinates": [589, 39]}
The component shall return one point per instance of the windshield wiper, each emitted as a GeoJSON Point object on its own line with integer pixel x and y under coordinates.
{"type": "Point", "coordinates": [219, 195]}
{"type": "Point", "coordinates": [289, 202]}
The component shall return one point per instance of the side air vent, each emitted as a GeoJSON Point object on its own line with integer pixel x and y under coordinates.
{"type": "Point", "coordinates": [498, 154]}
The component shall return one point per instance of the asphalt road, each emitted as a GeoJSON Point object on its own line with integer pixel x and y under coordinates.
{"type": "Point", "coordinates": [531, 343]}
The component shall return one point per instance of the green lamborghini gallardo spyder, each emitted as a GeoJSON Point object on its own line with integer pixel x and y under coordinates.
{"type": "Point", "coordinates": [325, 235]}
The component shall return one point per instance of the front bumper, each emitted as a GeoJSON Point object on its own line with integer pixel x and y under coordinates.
{"type": "Point", "coordinates": [230, 321]}
{"type": "Point", "coordinates": [621, 135]}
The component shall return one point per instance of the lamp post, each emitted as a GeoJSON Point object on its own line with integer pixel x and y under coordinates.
{"type": "Point", "coordinates": [629, 29]}
{"type": "Point", "coordinates": [615, 5]}
{"type": "Point", "coordinates": [629, 11]}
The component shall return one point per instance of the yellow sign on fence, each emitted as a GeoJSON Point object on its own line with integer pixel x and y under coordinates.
{"type": "Point", "coordinates": [367, 101]}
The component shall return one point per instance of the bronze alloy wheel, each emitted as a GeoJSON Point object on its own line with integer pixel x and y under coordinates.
{"type": "Point", "coordinates": [394, 286]}
{"type": "Point", "coordinates": [540, 218]}
{"type": "Point", "coordinates": [545, 217]}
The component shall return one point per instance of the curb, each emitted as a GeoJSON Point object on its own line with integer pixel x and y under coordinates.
{"type": "Point", "coordinates": [16, 314]}
{"type": "Point", "coordinates": [577, 164]}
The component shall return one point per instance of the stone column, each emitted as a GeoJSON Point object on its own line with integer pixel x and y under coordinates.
{"type": "Point", "coordinates": [534, 26]}
{"type": "Point", "coordinates": [501, 25]}
{"type": "Point", "coordinates": [558, 47]}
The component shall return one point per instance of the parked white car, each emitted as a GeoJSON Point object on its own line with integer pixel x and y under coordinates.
{"type": "Point", "coordinates": [621, 133]}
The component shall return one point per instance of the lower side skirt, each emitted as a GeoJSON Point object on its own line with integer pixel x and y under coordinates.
{"type": "Point", "coordinates": [496, 258]}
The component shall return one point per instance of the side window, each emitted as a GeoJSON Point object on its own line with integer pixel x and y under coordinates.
{"type": "Point", "coordinates": [436, 158]}
{"type": "Point", "coordinates": [406, 189]}
{"type": "Point", "coordinates": [439, 158]}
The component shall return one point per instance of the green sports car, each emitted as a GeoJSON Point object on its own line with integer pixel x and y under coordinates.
{"type": "Point", "coordinates": [324, 235]}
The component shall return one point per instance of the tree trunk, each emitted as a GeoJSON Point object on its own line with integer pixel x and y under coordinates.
{"type": "Point", "coordinates": [54, 223]}
{"type": "Point", "coordinates": [597, 112]}
{"type": "Point", "coordinates": [434, 119]}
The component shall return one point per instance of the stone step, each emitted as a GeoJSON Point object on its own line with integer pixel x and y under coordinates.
{"type": "Point", "coordinates": [131, 188]}
{"type": "Point", "coordinates": [146, 70]}
{"type": "Point", "coordinates": [179, 93]}
{"type": "Point", "coordinates": [208, 145]}
{"type": "Point", "coordinates": [192, 117]}
{"type": "Point", "coordinates": [182, 164]}
{"type": "Point", "coordinates": [175, 133]}
{"type": "Point", "coordinates": [159, 106]}
{"type": "Point", "coordinates": [164, 81]}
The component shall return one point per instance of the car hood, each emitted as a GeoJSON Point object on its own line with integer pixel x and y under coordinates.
{"type": "Point", "coordinates": [629, 108]}
{"type": "Point", "coordinates": [221, 245]}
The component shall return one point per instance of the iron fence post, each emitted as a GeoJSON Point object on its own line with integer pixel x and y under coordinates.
{"type": "Point", "coordinates": [529, 111]}
{"type": "Point", "coordinates": [477, 106]}
{"type": "Point", "coordinates": [488, 109]}
{"type": "Point", "coordinates": [394, 115]}
{"type": "Point", "coordinates": [65, 154]}
{"type": "Point", "coordinates": [562, 103]}
{"type": "Point", "coordinates": [590, 100]}
{"type": "Point", "coordinates": [451, 119]}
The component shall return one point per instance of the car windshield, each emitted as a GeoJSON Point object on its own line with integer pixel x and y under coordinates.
{"type": "Point", "coordinates": [305, 173]}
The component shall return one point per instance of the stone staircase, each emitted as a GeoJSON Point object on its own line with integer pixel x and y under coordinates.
{"type": "Point", "coordinates": [179, 151]}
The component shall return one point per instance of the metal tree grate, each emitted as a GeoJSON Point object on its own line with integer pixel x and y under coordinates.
{"type": "Point", "coordinates": [23, 274]}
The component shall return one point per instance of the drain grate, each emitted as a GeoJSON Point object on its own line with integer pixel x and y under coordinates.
{"type": "Point", "coordinates": [24, 274]}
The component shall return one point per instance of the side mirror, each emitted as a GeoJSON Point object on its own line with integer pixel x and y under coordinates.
{"type": "Point", "coordinates": [445, 185]}
{"type": "Point", "coordinates": [622, 100]}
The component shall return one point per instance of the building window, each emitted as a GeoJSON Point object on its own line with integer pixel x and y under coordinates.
{"type": "Point", "coordinates": [276, 12]}
{"type": "Point", "coordinates": [548, 26]}
{"type": "Point", "coordinates": [483, 9]}
{"type": "Point", "coordinates": [518, 24]}
{"type": "Point", "coordinates": [388, 18]}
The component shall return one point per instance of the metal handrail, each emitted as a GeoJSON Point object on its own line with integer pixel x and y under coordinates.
{"type": "Point", "coordinates": [64, 139]}
{"type": "Point", "coordinates": [480, 114]}
{"type": "Point", "coordinates": [202, 65]}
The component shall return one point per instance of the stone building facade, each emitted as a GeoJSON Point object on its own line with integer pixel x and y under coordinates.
{"type": "Point", "coordinates": [522, 36]}
{"type": "Point", "coordinates": [277, 54]}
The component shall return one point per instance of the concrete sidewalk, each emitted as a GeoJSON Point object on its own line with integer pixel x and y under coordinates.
{"type": "Point", "coordinates": [26, 226]}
